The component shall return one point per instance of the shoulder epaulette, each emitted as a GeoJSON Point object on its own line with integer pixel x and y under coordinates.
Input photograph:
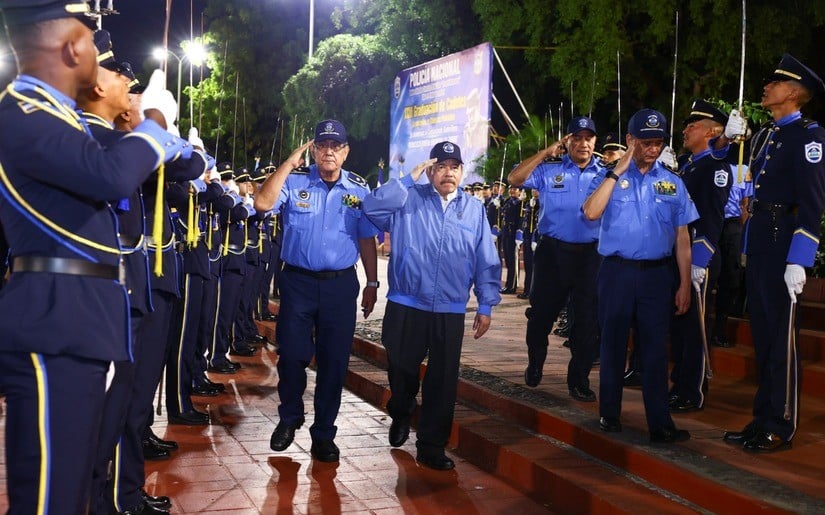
{"type": "Point", "coordinates": [301, 170]}
{"type": "Point", "coordinates": [357, 179]}
{"type": "Point", "coordinates": [808, 123]}
{"type": "Point", "coordinates": [552, 160]}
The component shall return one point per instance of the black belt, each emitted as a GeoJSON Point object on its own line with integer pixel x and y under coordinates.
{"type": "Point", "coordinates": [324, 274]}
{"type": "Point", "coordinates": [251, 243]}
{"type": "Point", "coordinates": [66, 266]}
{"type": "Point", "coordinates": [640, 263]}
{"type": "Point", "coordinates": [573, 247]}
{"type": "Point", "coordinates": [236, 248]}
{"type": "Point", "coordinates": [773, 208]}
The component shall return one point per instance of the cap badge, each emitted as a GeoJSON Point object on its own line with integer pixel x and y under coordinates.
{"type": "Point", "coordinates": [328, 127]}
{"type": "Point", "coordinates": [653, 121]}
{"type": "Point", "coordinates": [583, 123]}
{"type": "Point", "coordinates": [448, 148]}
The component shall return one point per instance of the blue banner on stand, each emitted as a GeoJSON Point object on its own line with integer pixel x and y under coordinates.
{"type": "Point", "coordinates": [447, 99]}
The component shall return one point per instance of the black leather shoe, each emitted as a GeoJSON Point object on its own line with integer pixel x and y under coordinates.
{"type": "Point", "coordinates": [583, 394]}
{"type": "Point", "coordinates": [632, 377]}
{"type": "Point", "coordinates": [740, 437]}
{"type": "Point", "coordinates": [682, 405]}
{"type": "Point", "coordinates": [721, 342]}
{"type": "Point", "coordinates": [144, 509]}
{"type": "Point", "coordinates": [507, 291]}
{"type": "Point", "coordinates": [188, 418]}
{"type": "Point", "coordinates": [169, 445]}
{"type": "Point", "coordinates": [610, 425]}
{"type": "Point", "coordinates": [532, 376]}
{"type": "Point", "coordinates": [524, 295]}
{"type": "Point", "coordinates": [205, 390]}
{"type": "Point", "coordinates": [152, 453]}
{"type": "Point", "coordinates": [217, 386]}
{"type": "Point", "coordinates": [283, 435]}
{"type": "Point", "coordinates": [435, 462]}
{"type": "Point", "coordinates": [766, 442]}
{"type": "Point", "coordinates": [669, 435]}
{"type": "Point", "coordinates": [242, 350]}
{"type": "Point", "coordinates": [256, 339]}
{"type": "Point", "coordinates": [269, 317]}
{"type": "Point", "coordinates": [160, 502]}
{"type": "Point", "coordinates": [324, 450]}
{"type": "Point", "coordinates": [222, 368]}
{"type": "Point", "coordinates": [399, 432]}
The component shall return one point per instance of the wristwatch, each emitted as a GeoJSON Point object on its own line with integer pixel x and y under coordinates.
{"type": "Point", "coordinates": [373, 284]}
{"type": "Point", "coordinates": [611, 175]}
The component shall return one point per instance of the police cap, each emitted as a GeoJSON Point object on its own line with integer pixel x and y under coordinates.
{"type": "Point", "coordinates": [790, 68]}
{"type": "Point", "coordinates": [647, 124]}
{"type": "Point", "coordinates": [581, 123]}
{"type": "Point", "coordinates": [225, 170]}
{"type": "Point", "coordinates": [23, 12]}
{"type": "Point", "coordinates": [445, 150]}
{"type": "Point", "coordinates": [330, 130]}
{"type": "Point", "coordinates": [612, 141]}
{"type": "Point", "coordinates": [703, 110]}
{"type": "Point", "coordinates": [242, 176]}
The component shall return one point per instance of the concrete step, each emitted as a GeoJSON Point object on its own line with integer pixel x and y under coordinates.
{"type": "Point", "coordinates": [517, 440]}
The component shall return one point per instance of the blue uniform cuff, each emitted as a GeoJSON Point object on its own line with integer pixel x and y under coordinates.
{"type": "Point", "coordinates": [803, 248]}
{"type": "Point", "coordinates": [407, 181]}
{"type": "Point", "coordinates": [701, 252]}
{"type": "Point", "coordinates": [715, 153]}
{"type": "Point", "coordinates": [484, 309]}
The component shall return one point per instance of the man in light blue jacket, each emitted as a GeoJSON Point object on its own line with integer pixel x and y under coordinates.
{"type": "Point", "coordinates": [442, 246]}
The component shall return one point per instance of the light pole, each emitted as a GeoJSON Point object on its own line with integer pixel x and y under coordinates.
{"type": "Point", "coordinates": [161, 55]}
{"type": "Point", "coordinates": [311, 26]}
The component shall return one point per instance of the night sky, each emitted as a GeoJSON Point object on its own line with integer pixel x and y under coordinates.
{"type": "Point", "coordinates": [138, 29]}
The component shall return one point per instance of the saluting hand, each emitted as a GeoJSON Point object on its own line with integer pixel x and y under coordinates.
{"type": "Point", "coordinates": [624, 161]}
{"type": "Point", "coordinates": [296, 158]}
{"type": "Point", "coordinates": [419, 168]}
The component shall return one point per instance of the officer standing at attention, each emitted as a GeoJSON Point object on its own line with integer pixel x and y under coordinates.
{"type": "Point", "coordinates": [708, 182]}
{"type": "Point", "coordinates": [63, 239]}
{"type": "Point", "coordinates": [324, 233]}
{"type": "Point", "coordinates": [781, 238]}
{"type": "Point", "coordinates": [644, 211]}
{"type": "Point", "coordinates": [450, 250]}
{"type": "Point", "coordinates": [566, 261]}
{"type": "Point", "coordinates": [510, 223]}
{"type": "Point", "coordinates": [529, 223]}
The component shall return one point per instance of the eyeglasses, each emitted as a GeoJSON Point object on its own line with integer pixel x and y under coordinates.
{"type": "Point", "coordinates": [329, 145]}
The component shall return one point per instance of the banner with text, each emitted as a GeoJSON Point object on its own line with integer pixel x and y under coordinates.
{"type": "Point", "coordinates": [447, 99]}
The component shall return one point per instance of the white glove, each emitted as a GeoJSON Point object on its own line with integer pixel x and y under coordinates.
{"type": "Point", "coordinates": [668, 158]}
{"type": "Point", "coordinates": [234, 187]}
{"type": "Point", "coordinates": [213, 175]}
{"type": "Point", "coordinates": [497, 202]}
{"type": "Point", "coordinates": [518, 244]}
{"type": "Point", "coordinates": [794, 280]}
{"type": "Point", "coordinates": [736, 125]}
{"type": "Point", "coordinates": [533, 245]}
{"type": "Point", "coordinates": [156, 96]}
{"type": "Point", "coordinates": [194, 139]}
{"type": "Point", "coordinates": [697, 276]}
{"type": "Point", "coordinates": [495, 238]}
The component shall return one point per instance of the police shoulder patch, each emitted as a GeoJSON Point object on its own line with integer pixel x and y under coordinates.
{"type": "Point", "coordinates": [813, 152]}
{"type": "Point", "coordinates": [357, 179]}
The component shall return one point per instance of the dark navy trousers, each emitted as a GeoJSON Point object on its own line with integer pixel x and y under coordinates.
{"type": "Point", "coordinates": [328, 307]}
{"type": "Point", "coordinates": [770, 310]}
{"type": "Point", "coordinates": [633, 294]}
{"type": "Point", "coordinates": [54, 405]}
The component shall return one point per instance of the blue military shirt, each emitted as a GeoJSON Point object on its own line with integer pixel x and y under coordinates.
{"type": "Point", "coordinates": [563, 187]}
{"type": "Point", "coordinates": [322, 226]}
{"type": "Point", "coordinates": [643, 213]}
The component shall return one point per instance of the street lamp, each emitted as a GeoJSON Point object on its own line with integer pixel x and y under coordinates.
{"type": "Point", "coordinates": [195, 53]}
{"type": "Point", "coordinates": [162, 54]}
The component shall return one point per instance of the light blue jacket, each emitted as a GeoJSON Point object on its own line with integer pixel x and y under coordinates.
{"type": "Point", "coordinates": [437, 255]}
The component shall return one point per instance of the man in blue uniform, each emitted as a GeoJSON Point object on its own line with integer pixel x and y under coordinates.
{"type": "Point", "coordinates": [510, 224]}
{"type": "Point", "coordinates": [644, 211]}
{"type": "Point", "coordinates": [781, 238]}
{"type": "Point", "coordinates": [324, 233]}
{"type": "Point", "coordinates": [63, 239]}
{"type": "Point", "coordinates": [449, 249]}
{"type": "Point", "coordinates": [566, 261]}
{"type": "Point", "coordinates": [708, 182]}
